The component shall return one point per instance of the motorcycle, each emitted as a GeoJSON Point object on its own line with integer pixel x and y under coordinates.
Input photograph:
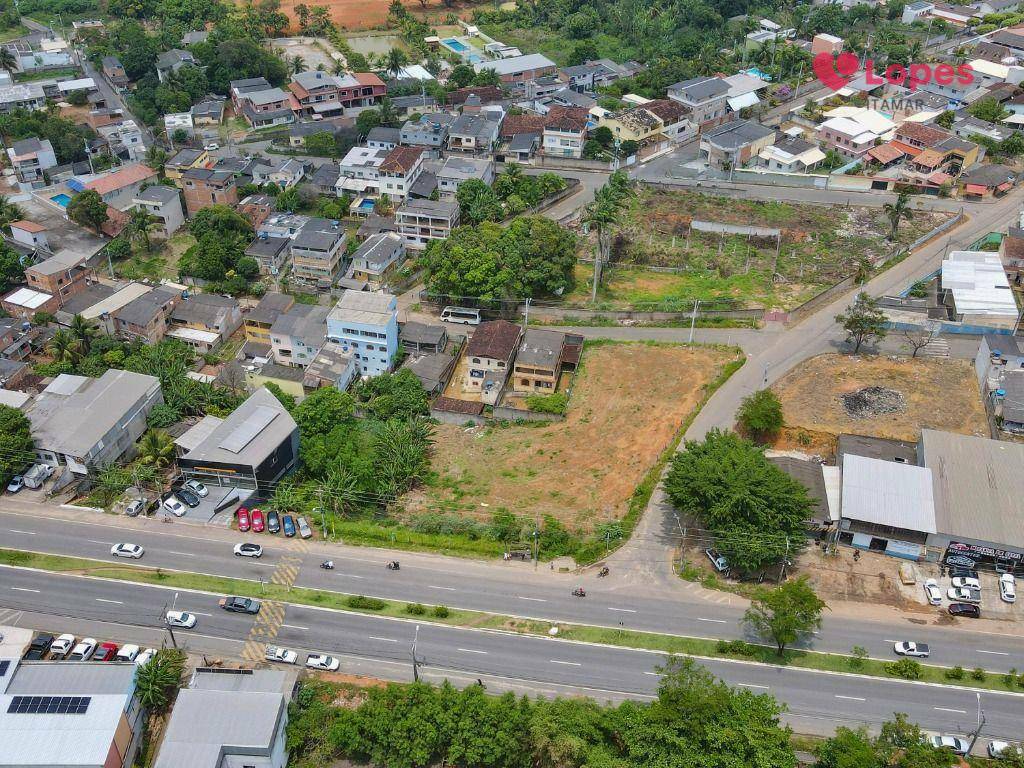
{"type": "Point", "coordinates": [579, 592]}
{"type": "Point", "coordinates": [327, 565]}
{"type": "Point", "coordinates": [603, 571]}
{"type": "Point", "coordinates": [393, 565]}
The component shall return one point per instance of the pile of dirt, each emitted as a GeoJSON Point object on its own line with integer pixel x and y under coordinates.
{"type": "Point", "coordinates": [873, 401]}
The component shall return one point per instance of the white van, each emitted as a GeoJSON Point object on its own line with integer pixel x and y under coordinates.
{"type": "Point", "coordinates": [38, 475]}
{"type": "Point", "coordinates": [460, 315]}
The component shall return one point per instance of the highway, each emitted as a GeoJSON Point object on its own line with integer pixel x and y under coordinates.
{"type": "Point", "coordinates": [515, 589]}
{"type": "Point", "coordinates": [816, 701]}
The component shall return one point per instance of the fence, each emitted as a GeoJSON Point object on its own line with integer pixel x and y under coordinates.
{"type": "Point", "coordinates": [508, 413]}
{"type": "Point", "coordinates": [554, 314]}
{"type": "Point", "coordinates": [810, 306]}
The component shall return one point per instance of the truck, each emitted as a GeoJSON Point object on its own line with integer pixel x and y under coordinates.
{"type": "Point", "coordinates": [38, 475]}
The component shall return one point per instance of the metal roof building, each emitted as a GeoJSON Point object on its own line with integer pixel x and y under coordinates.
{"type": "Point", "coordinates": [889, 494]}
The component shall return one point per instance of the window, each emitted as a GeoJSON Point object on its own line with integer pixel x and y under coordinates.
{"type": "Point", "coordinates": [476, 359]}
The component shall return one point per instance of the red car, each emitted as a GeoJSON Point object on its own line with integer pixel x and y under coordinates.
{"type": "Point", "coordinates": [105, 652]}
{"type": "Point", "coordinates": [257, 521]}
{"type": "Point", "coordinates": [243, 519]}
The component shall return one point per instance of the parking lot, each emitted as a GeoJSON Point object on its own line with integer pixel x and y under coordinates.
{"type": "Point", "coordinates": [992, 606]}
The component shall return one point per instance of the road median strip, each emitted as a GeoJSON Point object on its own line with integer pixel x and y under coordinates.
{"type": "Point", "coordinates": [734, 650]}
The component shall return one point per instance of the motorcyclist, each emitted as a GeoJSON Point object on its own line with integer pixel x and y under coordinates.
{"type": "Point", "coordinates": [393, 565]}
{"type": "Point", "coordinates": [328, 564]}
{"type": "Point", "coordinates": [579, 592]}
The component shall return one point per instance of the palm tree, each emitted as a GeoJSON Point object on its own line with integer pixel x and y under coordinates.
{"type": "Point", "coordinates": [395, 62]}
{"type": "Point", "coordinates": [156, 448]}
{"type": "Point", "coordinates": [64, 348]}
{"type": "Point", "coordinates": [601, 214]}
{"type": "Point", "coordinates": [9, 211]}
{"type": "Point", "coordinates": [83, 331]}
{"type": "Point", "coordinates": [898, 211]}
{"type": "Point", "coordinates": [298, 64]}
{"type": "Point", "coordinates": [8, 60]}
{"type": "Point", "coordinates": [140, 222]}
{"type": "Point", "coordinates": [156, 681]}
{"type": "Point", "coordinates": [339, 68]}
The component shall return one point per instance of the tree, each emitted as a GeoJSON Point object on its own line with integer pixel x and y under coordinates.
{"type": "Point", "coordinates": [987, 109]}
{"type": "Point", "coordinates": [395, 62]}
{"type": "Point", "coordinates": [323, 410]}
{"type": "Point", "coordinates": [922, 337]}
{"type": "Point", "coordinates": [302, 14]}
{"type": "Point", "coordinates": [897, 212]}
{"type": "Point", "coordinates": [88, 209]}
{"type": "Point", "coordinates": [393, 396]}
{"type": "Point", "coordinates": [786, 612]}
{"type": "Point", "coordinates": [367, 120]}
{"type": "Point", "coordinates": [322, 144]}
{"type": "Point", "coordinates": [157, 680]}
{"type": "Point", "coordinates": [477, 202]}
{"type": "Point", "coordinates": [8, 61]}
{"type": "Point", "coordinates": [9, 212]}
{"type": "Point", "coordinates": [64, 348]}
{"type": "Point", "coordinates": [863, 321]}
{"type": "Point", "coordinates": [286, 399]}
{"type": "Point", "coordinates": [15, 442]}
{"type": "Point", "coordinates": [760, 414]}
{"type": "Point", "coordinates": [137, 228]}
{"type": "Point", "coordinates": [297, 64]}
{"type": "Point", "coordinates": [945, 120]}
{"type": "Point", "coordinates": [156, 448]}
{"type": "Point", "coordinates": [12, 271]}
{"type": "Point", "coordinates": [83, 331]}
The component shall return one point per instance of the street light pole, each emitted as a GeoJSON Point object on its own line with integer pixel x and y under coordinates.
{"type": "Point", "coordinates": [415, 661]}
{"type": "Point", "coordinates": [981, 722]}
{"type": "Point", "coordinates": [693, 320]}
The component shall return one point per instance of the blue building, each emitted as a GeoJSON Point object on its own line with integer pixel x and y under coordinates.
{"type": "Point", "coordinates": [367, 325]}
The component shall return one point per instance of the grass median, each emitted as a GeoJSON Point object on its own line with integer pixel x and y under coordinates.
{"type": "Point", "coordinates": [676, 644]}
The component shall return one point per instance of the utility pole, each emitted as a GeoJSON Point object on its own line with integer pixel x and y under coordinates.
{"type": "Point", "coordinates": [536, 545]}
{"type": "Point", "coordinates": [167, 626]}
{"type": "Point", "coordinates": [981, 722]}
{"type": "Point", "coordinates": [526, 315]}
{"type": "Point", "coordinates": [693, 320]}
{"type": "Point", "coordinates": [415, 661]}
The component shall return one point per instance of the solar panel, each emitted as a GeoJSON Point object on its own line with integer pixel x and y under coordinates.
{"type": "Point", "coordinates": [48, 705]}
{"type": "Point", "coordinates": [247, 431]}
{"type": "Point", "coordinates": [4, 666]}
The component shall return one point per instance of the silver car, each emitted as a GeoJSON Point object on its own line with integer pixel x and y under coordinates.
{"type": "Point", "coordinates": [304, 531]}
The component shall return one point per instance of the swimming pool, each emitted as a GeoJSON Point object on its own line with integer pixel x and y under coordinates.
{"type": "Point", "coordinates": [755, 72]}
{"type": "Point", "coordinates": [366, 204]}
{"type": "Point", "coordinates": [62, 200]}
{"type": "Point", "coordinates": [456, 45]}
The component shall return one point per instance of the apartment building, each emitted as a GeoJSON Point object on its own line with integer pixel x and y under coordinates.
{"type": "Point", "coordinates": [705, 97]}
{"type": "Point", "coordinates": [30, 159]}
{"type": "Point", "coordinates": [297, 334]}
{"type": "Point", "coordinates": [317, 251]}
{"type": "Point", "coordinates": [420, 221]}
{"type": "Point", "coordinates": [164, 205]}
{"type": "Point", "coordinates": [262, 317]}
{"type": "Point", "coordinates": [399, 171]}
{"type": "Point", "coordinates": [367, 325]}
{"type": "Point", "coordinates": [204, 187]}
{"type": "Point", "coordinates": [377, 257]}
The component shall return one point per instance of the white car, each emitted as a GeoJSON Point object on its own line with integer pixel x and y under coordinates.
{"type": "Point", "coordinates": [133, 551]}
{"type": "Point", "coordinates": [127, 653]}
{"type": "Point", "coordinates": [175, 506]}
{"type": "Point", "coordinates": [1007, 588]}
{"type": "Point", "coordinates": [910, 648]}
{"type": "Point", "coordinates": [197, 488]}
{"type": "Point", "coordinates": [932, 592]}
{"type": "Point", "coordinates": [84, 650]}
{"type": "Point", "coordinates": [212, 146]}
{"type": "Point", "coordinates": [1003, 749]}
{"type": "Point", "coordinates": [322, 661]}
{"type": "Point", "coordinates": [248, 550]}
{"type": "Point", "coordinates": [963, 595]}
{"type": "Point", "coordinates": [62, 646]}
{"type": "Point", "coordinates": [955, 743]}
{"type": "Point", "coordinates": [143, 658]}
{"type": "Point", "coordinates": [965, 581]}
{"type": "Point", "coordinates": [181, 619]}
{"type": "Point", "coordinates": [283, 655]}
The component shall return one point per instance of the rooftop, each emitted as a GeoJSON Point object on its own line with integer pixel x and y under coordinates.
{"type": "Point", "coordinates": [496, 339]}
{"type": "Point", "coordinates": [700, 89]}
{"type": "Point", "coordinates": [250, 434]}
{"type": "Point", "coordinates": [364, 307]}
{"type": "Point", "coordinates": [978, 284]}
{"type": "Point", "coordinates": [540, 347]}
{"type": "Point", "coordinates": [271, 305]}
{"type": "Point", "coordinates": [889, 494]}
{"type": "Point", "coordinates": [422, 333]}
{"type": "Point", "coordinates": [464, 167]}
{"type": "Point", "coordinates": [401, 160]}
{"type": "Point", "coordinates": [441, 209]}
{"type": "Point", "coordinates": [305, 322]}
{"type": "Point", "coordinates": [517, 64]}
{"type": "Point", "coordinates": [736, 134]}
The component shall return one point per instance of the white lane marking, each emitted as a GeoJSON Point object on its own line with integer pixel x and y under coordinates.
{"type": "Point", "coordinates": [293, 626]}
{"type": "Point", "coordinates": [567, 663]}
{"type": "Point", "coordinates": [534, 599]}
{"type": "Point", "coordinates": [24, 589]}
{"type": "Point", "coordinates": [470, 650]}
{"type": "Point", "coordinates": [713, 621]}
{"type": "Point", "coordinates": [622, 610]}
{"type": "Point", "coordinates": [23, 533]}
{"type": "Point", "coordinates": [850, 698]}
{"type": "Point", "coordinates": [383, 639]}
{"type": "Point", "coordinates": [197, 613]}
{"type": "Point", "coordinates": [447, 589]}
{"type": "Point", "coordinates": [994, 653]}
{"type": "Point", "coordinates": [887, 640]}
{"type": "Point", "coordinates": [752, 685]}
{"type": "Point", "coordinates": [954, 711]}
{"type": "Point", "coordinates": [105, 600]}
{"type": "Point", "coordinates": [94, 541]}
{"type": "Point", "coordinates": [181, 554]}
{"type": "Point", "coordinates": [350, 576]}
{"type": "Point", "coordinates": [656, 674]}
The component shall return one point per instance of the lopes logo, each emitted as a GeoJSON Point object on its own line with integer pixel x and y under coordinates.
{"type": "Point", "coordinates": [837, 72]}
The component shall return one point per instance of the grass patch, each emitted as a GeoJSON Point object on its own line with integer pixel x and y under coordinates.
{"type": "Point", "coordinates": [829, 662]}
{"type": "Point", "coordinates": [45, 74]}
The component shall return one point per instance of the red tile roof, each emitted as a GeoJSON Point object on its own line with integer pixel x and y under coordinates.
{"type": "Point", "coordinates": [28, 226]}
{"type": "Point", "coordinates": [367, 78]}
{"type": "Point", "coordinates": [486, 93]}
{"type": "Point", "coordinates": [128, 175]}
{"type": "Point", "coordinates": [517, 124]}
{"type": "Point", "coordinates": [885, 153]}
{"type": "Point", "coordinates": [927, 135]}
{"type": "Point", "coordinates": [669, 111]}
{"type": "Point", "coordinates": [496, 339]}
{"type": "Point", "coordinates": [451, 405]}
{"type": "Point", "coordinates": [401, 159]}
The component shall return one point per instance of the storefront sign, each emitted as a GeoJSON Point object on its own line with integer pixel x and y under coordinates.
{"type": "Point", "coordinates": [957, 553]}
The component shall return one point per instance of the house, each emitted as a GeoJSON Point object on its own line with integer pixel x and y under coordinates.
{"type": "Point", "coordinates": [13, 374]}
{"type": "Point", "coordinates": [422, 338]}
{"type": "Point", "coordinates": [828, 44]}
{"type": "Point", "coordinates": [117, 188]}
{"type": "Point", "coordinates": [284, 173]}
{"type": "Point", "coordinates": [519, 69]}
{"type": "Point", "coordinates": [459, 169]}
{"type": "Point", "coordinates": [987, 181]}
{"type": "Point", "coordinates": [734, 144]}
{"type": "Point", "coordinates": [29, 234]}
{"type": "Point", "coordinates": [359, 170]}
{"type": "Point", "coordinates": [913, 138]}
{"type": "Point", "coordinates": [434, 370]}
{"type": "Point", "coordinates": [489, 358]}
{"type": "Point", "coordinates": [27, 96]}
{"type": "Point", "coordinates": [204, 187]}
{"type": "Point", "coordinates": [72, 713]}
{"type": "Point", "coordinates": [325, 178]}
{"type": "Point", "coordinates": [61, 276]}
{"type": "Point", "coordinates": [399, 171]}
{"type": "Point", "coordinates": [267, 107]}
{"type": "Point", "coordinates": [317, 251]}
{"type": "Point", "coordinates": [178, 125]}
{"type": "Point", "coordinates": [381, 137]}
{"type": "Point", "coordinates": [409, 105]}
{"type": "Point", "coordinates": [146, 317]}
{"type": "Point", "coordinates": [85, 423]}
{"type": "Point", "coordinates": [794, 154]}
{"type": "Point", "coordinates": [431, 130]}
{"type": "Point", "coordinates": [195, 36]}
{"type": "Point", "coordinates": [317, 93]}
{"type": "Point", "coordinates": [255, 446]}
{"type": "Point", "coordinates": [366, 323]}
{"type": "Point", "coordinates": [376, 258]}
{"type": "Point", "coordinates": [113, 70]}
{"type": "Point", "coordinates": [998, 354]}
{"type": "Point", "coordinates": [25, 303]}
{"type": "Point", "coordinates": [361, 89]}
{"type": "Point", "coordinates": [565, 131]}
{"type": "Point", "coordinates": [538, 361]}
{"type": "Point", "coordinates": [239, 88]}
{"type": "Point", "coordinates": [636, 124]}
{"type": "Point", "coordinates": [475, 132]}
{"type": "Point", "coordinates": [256, 208]}
{"type": "Point", "coordinates": [206, 313]}
{"type": "Point", "coordinates": [1011, 251]}
{"type": "Point", "coordinates": [486, 94]}
{"type": "Point", "coordinates": [1008, 402]}
{"type": "Point", "coordinates": [674, 117]}
{"type": "Point", "coordinates": [208, 113]}
{"type": "Point", "coordinates": [164, 205]}
{"type": "Point", "coordinates": [332, 366]}
{"type": "Point", "coordinates": [297, 334]}
{"type": "Point", "coordinates": [974, 287]}
{"type": "Point", "coordinates": [169, 62]}
{"type": "Point", "coordinates": [259, 320]}
{"type": "Point", "coordinates": [271, 253]}
{"type": "Point", "coordinates": [705, 97]}
{"type": "Point", "coordinates": [30, 159]}
{"type": "Point", "coordinates": [420, 221]}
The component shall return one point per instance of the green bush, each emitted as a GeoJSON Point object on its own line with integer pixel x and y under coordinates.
{"type": "Point", "coordinates": [908, 669]}
{"type": "Point", "coordinates": [440, 612]}
{"type": "Point", "coordinates": [956, 673]}
{"type": "Point", "coordinates": [1009, 677]}
{"type": "Point", "coordinates": [415, 609]}
{"type": "Point", "coordinates": [366, 603]}
{"type": "Point", "coordinates": [978, 674]}
{"type": "Point", "coordinates": [736, 647]}
{"type": "Point", "coordinates": [556, 403]}
{"type": "Point", "coordinates": [857, 655]}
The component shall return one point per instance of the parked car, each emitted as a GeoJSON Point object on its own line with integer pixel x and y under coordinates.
{"type": "Point", "coordinates": [932, 592]}
{"type": "Point", "coordinates": [136, 507]}
{"type": "Point", "coordinates": [954, 743]}
{"type": "Point", "coordinates": [16, 484]}
{"type": "Point", "coordinates": [910, 648]}
{"type": "Point", "coordinates": [717, 560]}
{"type": "Point", "coordinates": [127, 653]}
{"type": "Point", "coordinates": [248, 550]}
{"type": "Point", "coordinates": [1004, 750]}
{"type": "Point", "coordinates": [39, 647]}
{"type": "Point", "coordinates": [188, 497]}
{"type": "Point", "coordinates": [960, 572]}
{"type": "Point", "coordinates": [197, 488]}
{"type": "Point", "coordinates": [964, 595]}
{"type": "Point", "coordinates": [304, 531]}
{"type": "Point", "coordinates": [62, 646]}
{"type": "Point", "coordinates": [37, 475]}
{"type": "Point", "coordinates": [243, 519]}
{"type": "Point", "coordinates": [105, 652]}
{"type": "Point", "coordinates": [143, 658]}
{"type": "Point", "coordinates": [213, 146]}
{"type": "Point", "coordinates": [84, 650]}
{"type": "Point", "coordinates": [174, 505]}
{"type": "Point", "coordinates": [1007, 588]}
{"type": "Point", "coordinates": [239, 604]}
{"type": "Point", "coordinates": [288, 524]}
{"type": "Point", "coordinates": [273, 522]}
{"type": "Point", "coordinates": [970, 582]}
{"type": "Point", "coordinates": [257, 521]}
{"type": "Point", "coordinates": [322, 661]}
{"type": "Point", "coordinates": [181, 619]}
{"type": "Point", "coordinates": [133, 551]}
{"type": "Point", "coordinates": [282, 655]}
{"type": "Point", "coordinates": [966, 610]}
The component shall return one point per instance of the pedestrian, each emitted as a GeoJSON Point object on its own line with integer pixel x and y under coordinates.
{"type": "Point", "coordinates": [856, 555]}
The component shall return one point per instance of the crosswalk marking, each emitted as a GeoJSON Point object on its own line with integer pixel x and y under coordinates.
{"type": "Point", "coordinates": [272, 612]}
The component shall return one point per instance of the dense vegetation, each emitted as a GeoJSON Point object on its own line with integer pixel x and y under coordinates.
{"type": "Point", "coordinates": [67, 138]}
{"type": "Point", "coordinates": [218, 256]}
{"type": "Point", "coordinates": [15, 443]}
{"type": "Point", "coordinates": [512, 193]}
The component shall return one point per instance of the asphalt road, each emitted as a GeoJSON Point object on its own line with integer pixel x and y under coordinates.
{"type": "Point", "coordinates": [515, 588]}
{"type": "Point", "coordinates": [816, 701]}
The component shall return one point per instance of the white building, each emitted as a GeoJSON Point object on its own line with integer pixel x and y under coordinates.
{"type": "Point", "coordinates": [981, 294]}
{"type": "Point", "coordinates": [360, 172]}
{"type": "Point", "coordinates": [367, 325]}
{"type": "Point", "coordinates": [458, 169]}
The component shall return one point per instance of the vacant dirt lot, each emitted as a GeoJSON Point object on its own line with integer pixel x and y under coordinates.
{"type": "Point", "coordinates": [628, 402]}
{"type": "Point", "coordinates": [936, 394]}
{"type": "Point", "coordinates": [368, 14]}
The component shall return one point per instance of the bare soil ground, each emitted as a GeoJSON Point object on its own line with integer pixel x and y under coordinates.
{"type": "Point", "coordinates": [628, 402]}
{"type": "Point", "coordinates": [937, 394]}
{"type": "Point", "coordinates": [370, 14]}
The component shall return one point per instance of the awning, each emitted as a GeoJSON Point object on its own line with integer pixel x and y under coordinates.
{"type": "Point", "coordinates": [975, 189]}
{"type": "Point", "coordinates": [355, 185]}
{"type": "Point", "coordinates": [1004, 186]}
{"type": "Point", "coordinates": [811, 156]}
{"type": "Point", "coordinates": [736, 103]}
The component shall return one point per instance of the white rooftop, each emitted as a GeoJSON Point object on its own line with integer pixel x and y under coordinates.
{"type": "Point", "coordinates": [978, 283]}
{"type": "Point", "coordinates": [26, 297]}
{"type": "Point", "coordinates": [888, 493]}
{"type": "Point", "coordinates": [194, 334]}
{"type": "Point", "coordinates": [516, 64]}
